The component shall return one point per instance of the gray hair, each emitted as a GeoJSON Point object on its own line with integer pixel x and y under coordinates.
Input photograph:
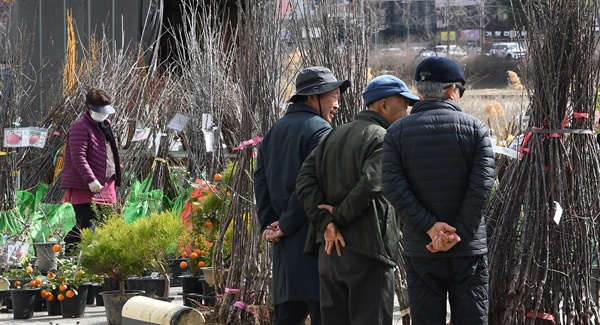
{"type": "Point", "coordinates": [431, 89]}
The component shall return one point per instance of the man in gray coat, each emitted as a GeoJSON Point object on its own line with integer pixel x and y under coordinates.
{"type": "Point", "coordinates": [340, 187]}
{"type": "Point", "coordinates": [281, 216]}
{"type": "Point", "coordinates": [438, 172]}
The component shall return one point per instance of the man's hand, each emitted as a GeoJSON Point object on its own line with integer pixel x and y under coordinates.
{"type": "Point", "coordinates": [273, 233]}
{"type": "Point", "coordinates": [440, 227]}
{"type": "Point", "coordinates": [333, 238]}
{"type": "Point", "coordinates": [327, 207]}
{"type": "Point", "coordinates": [443, 242]}
{"type": "Point", "coordinates": [443, 237]}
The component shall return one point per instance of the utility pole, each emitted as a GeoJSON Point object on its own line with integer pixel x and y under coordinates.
{"type": "Point", "coordinates": [448, 26]}
{"type": "Point", "coordinates": [482, 27]}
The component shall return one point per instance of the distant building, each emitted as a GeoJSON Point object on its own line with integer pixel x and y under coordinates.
{"type": "Point", "coordinates": [405, 17]}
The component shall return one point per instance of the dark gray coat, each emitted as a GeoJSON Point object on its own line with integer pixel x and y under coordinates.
{"type": "Point", "coordinates": [280, 157]}
{"type": "Point", "coordinates": [438, 165]}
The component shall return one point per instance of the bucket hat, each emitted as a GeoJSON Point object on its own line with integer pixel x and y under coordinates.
{"type": "Point", "coordinates": [386, 86]}
{"type": "Point", "coordinates": [317, 80]}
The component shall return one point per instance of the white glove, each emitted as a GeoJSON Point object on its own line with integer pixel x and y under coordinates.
{"type": "Point", "coordinates": [95, 186]}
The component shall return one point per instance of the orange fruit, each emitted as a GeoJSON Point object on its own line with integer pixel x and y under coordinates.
{"type": "Point", "coordinates": [29, 269]}
{"type": "Point", "coordinates": [197, 251]}
{"type": "Point", "coordinates": [184, 254]}
{"type": "Point", "coordinates": [17, 284]}
{"type": "Point", "coordinates": [201, 264]}
{"type": "Point", "coordinates": [60, 297]}
{"type": "Point", "coordinates": [56, 248]}
{"type": "Point", "coordinates": [61, 280]}
{"type": "Point", "coordinates": [38, 281]}
{"type": "Point", "coordinates": [183, 264]}
{"type": "Point", "coordinates": [43, 293]}
{"type": "Point", "coordinates": [32, 284]}
{"type": "Point", "coordinates": [194, 255]}
{"type": "Point", "coordinates": [70, 294]}
{"type": "Point", "coordinates": [217, 177]}
{"type": "Point", "coordinates": [50, 275]}
{"type": "Point", "coordinates": [63, 287]}
{"type": "Point", "coordinates": [49, 297]}
{"type": "Point", "coordinates": [203, 252]}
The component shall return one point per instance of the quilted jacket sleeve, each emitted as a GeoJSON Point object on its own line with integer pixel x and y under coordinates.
{"type": "Point", "coordinates": [481, 181]}
{"type": "Point", "coordinates": [78, 143]}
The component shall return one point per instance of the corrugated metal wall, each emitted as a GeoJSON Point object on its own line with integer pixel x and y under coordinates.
{"type": "Point", "coordinates": [45, 22]}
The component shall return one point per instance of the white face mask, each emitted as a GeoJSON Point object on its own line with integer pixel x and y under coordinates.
{"type": "Point", "coordinates": [98, 117]}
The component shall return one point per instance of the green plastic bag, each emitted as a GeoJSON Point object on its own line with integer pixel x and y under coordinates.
{"type": "Point", "coordinates": [142, 201]}
{"type": "Point", "coordinates": [51, 221]}
{"type": "Point", "coordinates": [10, 222]}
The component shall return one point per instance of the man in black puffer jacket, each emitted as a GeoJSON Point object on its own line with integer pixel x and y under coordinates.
{"type": "Point", "coordinates": [438, 172]}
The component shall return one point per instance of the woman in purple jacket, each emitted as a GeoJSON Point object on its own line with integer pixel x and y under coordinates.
{"type": "Point", "coordinates": [92, 168]}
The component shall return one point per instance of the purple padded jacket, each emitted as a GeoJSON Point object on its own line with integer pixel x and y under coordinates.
{"type": "Point", "coordinates": [85, 155]}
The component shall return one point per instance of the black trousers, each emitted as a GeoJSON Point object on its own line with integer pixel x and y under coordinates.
{"type": "Point", "coordinates": [463, 281]}
{"type": "Point", "coordinates": [295, 312]}
{"type": "Point", "coordinates": [355, 289]}
{"type": "Point", "coordinates": [84, 216]}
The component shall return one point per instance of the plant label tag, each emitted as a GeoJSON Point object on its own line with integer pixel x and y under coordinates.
{"type": "Point", "coordinates": [505, 151]}
{"type": "Point", "coordinates": [15, 137]}
{"type": "Point", "coordinates": [141, 134]}
{"type": "Point", "coordinates": [178, 122]}
{"type": "Point", "coordinates": [558, 211]}
{"type": "Point", "coordinates": [37, 137]}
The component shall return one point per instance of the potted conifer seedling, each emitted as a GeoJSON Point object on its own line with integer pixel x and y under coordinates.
{"type": "Point", "coordinates": [158, 234]}
{"type": "Point", "coordinates": [113, 249]}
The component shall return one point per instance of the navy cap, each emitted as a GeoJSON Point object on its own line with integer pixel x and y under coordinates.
{"type": "Point", "coordinates": [439, 69]}
{"type": "Point", "coordinates": [386, 86]}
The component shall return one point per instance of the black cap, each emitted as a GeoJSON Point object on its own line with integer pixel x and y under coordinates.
{"type": "Point", "coordinates": [439, 69]}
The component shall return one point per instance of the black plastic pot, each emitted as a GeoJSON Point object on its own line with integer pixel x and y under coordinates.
{"type": "Point", "coordinates": [191, 299]}
{"type": "Point", "coordinates": [114, 302]}
{"type": "Point", "coordinates": [209, 300]}
{"type": "Point", "coordinates": [75, 307]}
{"type": "Point", "coordinates": [53, 307]}
{"type": "Point", "coordinates": [191, 283]}
{"type": "Point", "coordinates": [109, 285]}
{"type": "Point", "coordinates": [207, 288]}
{"type": "Point", "coordinates": [151, 286]}
{"type": "Point", "coordinates": [23, 302]}
{"type": "Point", "coordinates": [91, 294]}
{"type": "Point", "coordinates": [175, 272]}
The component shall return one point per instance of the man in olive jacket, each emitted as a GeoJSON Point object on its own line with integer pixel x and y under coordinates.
{"type": "Point", "coordinates": [340, 187]}
{"type": "Point", "coordinates": [284, 147]}
{"type": "Point", "coordinates": [438, 171]}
